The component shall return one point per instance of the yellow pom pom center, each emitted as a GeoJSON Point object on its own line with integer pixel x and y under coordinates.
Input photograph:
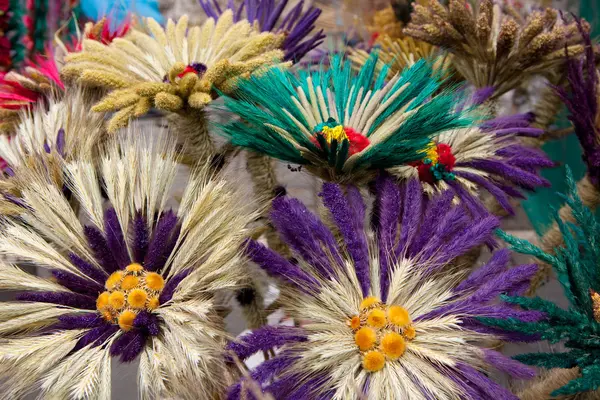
{"type": "Point", "coordinates": [393, 345]}
{"type": "Point", "coordinates": [129, 282]}
{"type": "Point", "coordinates": [369, 302]}
{"type": "Point", "coordinates": [354, 323]}
{"type": "Point", "coordinates": [365, 338]}
{"type": "Point", "coordinates": [376, 318]}
{"type": "Point", "coordinates": [381, 332]}
{"type": "Point", "coordinates": [135, 267]}
{"type": "Point", "coordinates": [154, 281]}
{"type": "Point", "coordinates": [102, 301]}
{"type": "Point", "coordinates": [126, 320]}
{"type": "Point", "coordinates": [373, 361]}
{"type": "Point", "coordinates": [128, 291]}
{"type": "Point", "coordinates": [137, 298]}
{"type": "Point", "coordinates": [410, 332]}
{"type": "Point", "coordinates": [116, 300]}
{"type": "Point", "coordinates": [153, 303]}
{"type": "Point", "coordinates": [398, 316]}
{"type": "Point", "coordinates": [113, 280]}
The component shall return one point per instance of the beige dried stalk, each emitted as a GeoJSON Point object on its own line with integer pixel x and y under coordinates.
{"type": "Point", "coordinates": [493, 45]}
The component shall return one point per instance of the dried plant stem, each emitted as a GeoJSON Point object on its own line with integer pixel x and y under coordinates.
{"type": "Point", "coordinates": [541, 388]}
{"type": "Point", "coordinates": [264, 180]}
{"type": "Point", "coordinates": [590, 196]}
{"type": "Point", "coordinates": [192, 129]}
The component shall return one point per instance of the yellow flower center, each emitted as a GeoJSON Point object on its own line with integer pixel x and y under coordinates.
{"type": "Point", "coordinates": [337, 133]}
{"type": "Point", "coordinates": [432, 153]}
{"type": "Point", "coordinates": [380, 332]}
{"type": "Point", "coordinates": [127, 293]}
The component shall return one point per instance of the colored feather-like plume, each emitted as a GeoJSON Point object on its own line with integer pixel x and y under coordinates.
{"type": "Point", "coordinates": [576, 267]}
{"type": "Point", "coordinates": [340, 123]}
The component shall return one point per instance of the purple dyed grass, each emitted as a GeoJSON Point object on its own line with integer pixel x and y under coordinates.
{"type": "Point", "coordinates": [80, 321]}
{"type": "Point", "coordinates": [96, 336]}
{"type": "Point", "coordinates": [171, 286]}
{"type": "Point", "coordinates": [386, 213]}
{"type": "Point", "coordinates": [508, 365]}
{"type": "Point", "coordinates": [296, 24]}
{"type": "Point", "coordinates": [305, 234]}
{"type": "Point", "coordinates": [140, 238]}
{"type": "Point", "coordinates": [354, 238]}
{"type": "Point", "coordinates": [487, 388]}
{"type": "Point", "coordinates": [159, 246]}
{"type": "Point", "coordinates": [77, 284]}
{"type": "Point", "coordinates": [495, 265]}
{"type": "Point", "coordinates": [261, 374]}
{"type": "Point", "coordinates": [129, 345]}
{"type": "Point", "coordinates": [435, 210]}
{"type": "Point", "coordinates": [68, 299]}
{"type": "Point", "coordinates": [265, 338]}
{"type": "Point", "coordinates": [412, 214]}
{"type": "Point", "coordinates": [278, 267]}
{"type": "Point", "coordinates": [518, 176]}
{"type": "Point", "coordinates": [582, 102]}
{"type": "Point", "coordinates": [88, 269]}
{"type": "Point", "coordinates": [101, 249]}
{"type": "Point", "coordinates": [114, 238]}
{"type": "Point", "coordinates": [147, 323]}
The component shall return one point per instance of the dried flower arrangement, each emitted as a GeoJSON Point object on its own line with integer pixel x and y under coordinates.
{"type": "Point", "coordinates": [383, 289]}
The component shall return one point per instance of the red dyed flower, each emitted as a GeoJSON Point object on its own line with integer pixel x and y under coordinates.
{"type": "Point", "coordinates": [445, 156]}
{"type": "Point", "coordinates": [358, 142]}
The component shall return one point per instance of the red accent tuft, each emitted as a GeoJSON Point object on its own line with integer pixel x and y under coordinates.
{"type": "Point", "coordinates": [373, 39]}
{"type": "Point", "coordinates": [358, 142]}
{"type": "Point", "coordinates": [445, 156]}
{"type": "Point", "coordinates": [186, 71]}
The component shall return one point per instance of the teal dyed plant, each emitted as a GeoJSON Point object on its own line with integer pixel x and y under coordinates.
{"type": "Point", "coordinates": [577, 267]}
{"type": "Point", "coordinates": [344, 124]}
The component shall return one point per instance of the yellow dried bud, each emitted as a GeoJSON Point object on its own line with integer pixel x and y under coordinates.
{"type": "Point", "coordinates": [103, 79]}
{"type": "Point", "coordinates": [150, 89]}
{"type": "Point", "coordinates": [461, 18]}
{"type": "Point", "coordinates": [168, 102]}
{"type": "Point", "coordinates": [187, 83]}
{"type": "Point", "coordinates": [176, 69]}
{"type": "Point", "coordinates": [142, 107]}
{"type": "Point", "coordinates": [120, 119]}
{"type": "Point", "coordinates": [506, 38]}
{"type": "Point", "coordinates": [534, 26]}
{"type": "Point", "coordinates": [199, 100]}
{"type": "Point", "coordinates": [113, 103]}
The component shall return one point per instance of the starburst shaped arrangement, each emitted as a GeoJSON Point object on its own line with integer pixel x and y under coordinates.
{"type": "Point", "coordinates": [47, 136]}
{"type": "Point", "coordinates": [345, 125]}
{"type": "Point", "coordinates": [296, 24]}
{"type": "Point", "coordinates": [386, 316]}
{"type": "Point", "coordinates": [174, 69]}
{"type": "Point", "coordinates": [137, 280]}
{"type": "Point", "coordinates": [492, 44]}
{"type": "Point", "coordinates": [576, 267]}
